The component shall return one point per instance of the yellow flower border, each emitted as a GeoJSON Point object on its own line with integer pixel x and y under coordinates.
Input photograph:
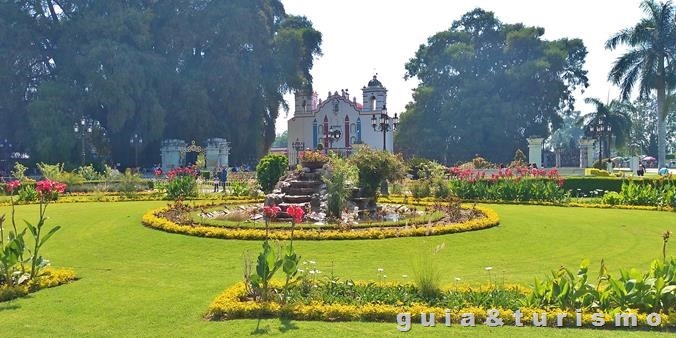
{"type": "Point", "coordinates": [49, 278]}
{"type": "Point", "coordinates": [152, 220]}
{"type": "Point", "coordinates": [228, 306]}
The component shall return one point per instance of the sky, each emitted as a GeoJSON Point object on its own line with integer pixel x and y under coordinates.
{"type": "Point", "coordinates": [363, 37]}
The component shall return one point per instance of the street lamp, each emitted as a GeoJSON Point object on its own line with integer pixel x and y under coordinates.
{"type": "Point", "coordinates": [5, 153]}
{"type": "Point", "coordinates": [298, 146]}
{"type": "Point", "coordinates": [136, 141]}
{"type": "Point", "coordinates": [600, 129]}
{"type": "Point", "coordinates": [84, 127]}
{"type": "Point", "coordinates": [384, 124]}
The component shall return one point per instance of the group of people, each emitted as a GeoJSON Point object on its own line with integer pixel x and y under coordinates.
{"type": "Point", "coordinates": [220, 178]}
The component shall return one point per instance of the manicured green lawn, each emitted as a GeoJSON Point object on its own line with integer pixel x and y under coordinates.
{"type": "Point", "coordinates": [141, 282]}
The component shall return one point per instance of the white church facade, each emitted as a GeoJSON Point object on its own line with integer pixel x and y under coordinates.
{"type": "Point", "coordinates": [338, 122]}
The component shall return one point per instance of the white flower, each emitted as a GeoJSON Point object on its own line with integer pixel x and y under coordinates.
{"type": "Point", "coordinates": [380, 270]}
{"type": "Point", "coordinates": [318, 272]}
{"type": "Point", "coordinates": [313, 262]}
{"type": "Point", "coordinates": [312, 272]}
{"type": "Point", "coordinates": [488, 268]}
{"type": "Point", "coordinates": [349, 283]}
{"type": "Point", "coordinates": [457, 279]}
{"type": "Point", "coordinates": [384, 276]}
{"type": "Point", "coordinates": [301, 270]}
{"type": "Point", "coordinates": [304, 262]}
{"type": "Point", "coordinates": [404, 276]}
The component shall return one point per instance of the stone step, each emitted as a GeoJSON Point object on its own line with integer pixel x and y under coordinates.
{"type": "Point", "coordinates": [300, 191]}
{"type": "Point", "coordinates": [295, 199]}
{"type": "Point", "coordinates": [310, 176]}
{"type": "Point", "coordinates": [304, 184]}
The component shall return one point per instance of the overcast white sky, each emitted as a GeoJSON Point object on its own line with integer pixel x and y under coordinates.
{"type": "Point", "coordinates": [361, 37]}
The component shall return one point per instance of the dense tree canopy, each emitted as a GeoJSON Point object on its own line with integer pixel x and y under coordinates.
{"type": "Point", "coordinates": [485, 86]}
{"type": "Point", "coordinates": [189, 69]}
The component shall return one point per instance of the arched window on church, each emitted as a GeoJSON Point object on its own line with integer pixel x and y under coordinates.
{"type": "Point", "coordinates": [304, 106]}
{"type": "Point", "coordinates": [373, 103]}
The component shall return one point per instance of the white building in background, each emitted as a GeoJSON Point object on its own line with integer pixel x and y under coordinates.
{"type": "Point", "coordinates": [314, 118]}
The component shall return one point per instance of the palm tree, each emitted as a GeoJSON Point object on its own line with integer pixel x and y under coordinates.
{"type": "Point", "coordinates": [652, 58]}
{"type": "Point", "coordinates": [609, 115]}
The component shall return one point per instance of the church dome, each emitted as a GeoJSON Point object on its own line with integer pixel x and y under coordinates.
{"type": "Point", "coordinates": [375, 82]}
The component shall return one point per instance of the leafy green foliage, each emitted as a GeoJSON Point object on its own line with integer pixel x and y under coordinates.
{"type": "Point", "coordinates": [374, 167]}
{"type": "Point", "coordinates": [157, 68]}
{"type": "Point", "coordinates": [269, 169]}
{"type": "Point", "coordinates": [181, 187]}
{"type": "Point", "coordinates": [485, 86]}
{"type": "Point", "coordinates": [659, 193]}
{"type": "Point", "coordinates": [653, 291]}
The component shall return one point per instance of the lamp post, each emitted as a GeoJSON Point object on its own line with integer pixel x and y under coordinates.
{"type": "Point", "coordinates": [384, 124]}
{"type": "Point", "coordinates": [600, 129]}
{"type": "Point", "coordinates": [136, 141]}
{"type": "Point", "coordinates": [5, 154]}
{"type": "Point", "coordinates": [82, 128]}
{"type": "Point", "coordinates": [333, 136]}
{"type": "Point", "coordinates": [298, 146]}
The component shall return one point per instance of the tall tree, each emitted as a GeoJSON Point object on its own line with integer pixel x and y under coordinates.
{"type": "Point", "coordinates": [162, 69]}
{"type": "Point", "coordinates": [608, 115]}
{"type": "Point", "coordinates": [650, 61]}
{"type": "Point", "coordinates": [486, 86]}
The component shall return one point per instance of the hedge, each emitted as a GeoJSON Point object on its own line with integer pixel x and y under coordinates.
{"type": "Point", "coordinates": [588, 184]}
{"type": "Point", "coordinates": [95, 186]}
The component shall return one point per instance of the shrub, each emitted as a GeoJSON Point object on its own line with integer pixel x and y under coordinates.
{"type": "Point", "coordinates": [27, 193]}
{"type": "Point", "coordinates": [270, 168]}
{"type": "Point", "coordinates": [338, 184]}
{"type": "Point", "coordinates": [181, 183]}
{"type": "Point", "coordinates": [129, 183]}
{"type": "Point", "coordinates": [88, 173]}
{"type": "Point", "coordinates": [420, 189]}
{"type": "Point", "coordinates": [376, 166]}
{"type": "Point", "coordinates": [612, 198]}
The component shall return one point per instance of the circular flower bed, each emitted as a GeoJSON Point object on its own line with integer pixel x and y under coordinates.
{"type": "Point", "coordinates": [436, 223]}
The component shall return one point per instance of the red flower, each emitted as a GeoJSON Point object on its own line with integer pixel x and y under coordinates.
{"type": "Point", "coordinates": [158, 172]}
{"type": "Point", "coordinates": [12, 185]}
{"type": "Point", "coordinates": [296, 212]}
{"type": "Point", "coordinates": [46, 187]}
{"type": "Point", "coordinates": [271, 211]}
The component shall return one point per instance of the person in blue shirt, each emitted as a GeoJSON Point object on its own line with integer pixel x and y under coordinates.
{"type": "Point", "coordinates": [223, 177]}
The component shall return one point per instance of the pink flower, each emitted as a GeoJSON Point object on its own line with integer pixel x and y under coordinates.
{"type": "Point", "coordinates": [296, 212]}
{"type": "Point", "coordinates": [12, 186]}
{"type": "Point", "coordinates": [45, 187]}
{"type": "Point", "coordinates": [271, 211]}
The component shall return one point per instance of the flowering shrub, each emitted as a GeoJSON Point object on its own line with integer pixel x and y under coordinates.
{"type": "Point", "coordinates": [509, 184]}
{"type": "Point", "coordinates": [14, 250]}
{"type": "Point", "coordinates": [181, 183]}
{"type": "Point", "coordinates": [315, 156]}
